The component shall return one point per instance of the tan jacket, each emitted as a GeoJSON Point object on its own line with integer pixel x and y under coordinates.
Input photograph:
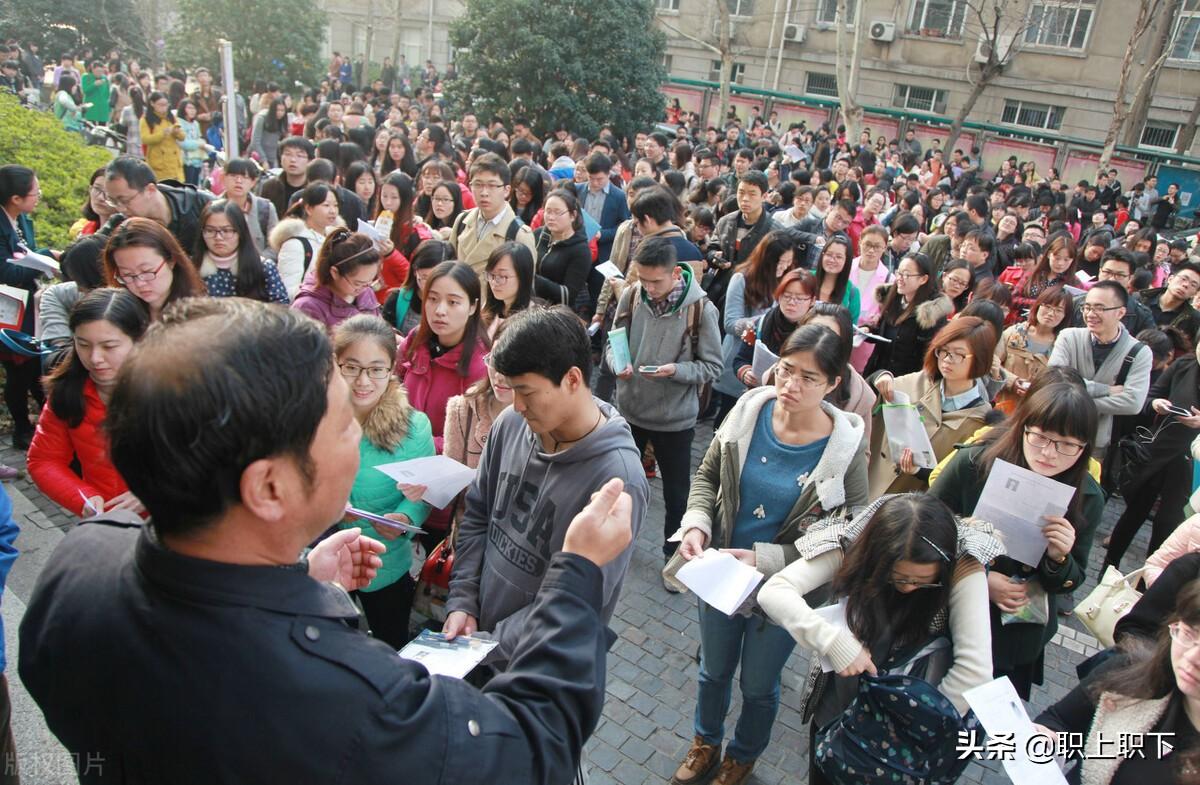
{"type": "Point", "coordinates": [945, 429]}
{"type": "Point", "coordinates": [475, 250]}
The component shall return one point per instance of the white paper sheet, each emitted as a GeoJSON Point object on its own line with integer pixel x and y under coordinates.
{"type": "Point", "coordinates": [36, 261]}
{"type": "Point", "coordinates": [764, 358]}
{"type": "Point", "coordinates": [905, 429]}
{"type": "Point", "coordinates": [835, 615]}
{"type": "Point", "coordinates": [1014, 501]}
{"type": "Point", "coordinates": [443, 478]}
{"type": "Point", "coordinates": [609, 270]}
{"type": "Point", "coordinates": [1001, 712]}
{"type": "Point", "coordinates": [369, 230]}
{"type": "Point", "coordinates": [441, 657]}
{"type": "Point", "coordinates": [720, 580]}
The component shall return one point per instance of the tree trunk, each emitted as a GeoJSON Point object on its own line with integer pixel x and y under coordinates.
{"type": "Point", "coordinates": [396, 43]}
{"type": "Point", "coordinates": [725, 44]}
{"type": "Point", "coordinates": [1187, 134]}
{"type": "Point", "coordinates": [366, 77]}
{"type": "Point", "coordinates": [1120, 110]}
{"type": "Point", "coordinates": [847, 70]}
{"type": "Point", "coordinates": [1140, 107]}
{"type": "Point", "coordinates": [986, 75]}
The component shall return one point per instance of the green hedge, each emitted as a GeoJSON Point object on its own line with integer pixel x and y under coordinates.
{"type": "Point", "coordinates": [62, 161]}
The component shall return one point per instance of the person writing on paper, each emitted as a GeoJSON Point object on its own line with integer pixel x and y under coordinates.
{"type": "Point", "coordinates": [392, 430]}
{"type": "Point", "coordinates": [1051, 433]}
{"type": "Point", "coordinates": [340, 284]}
{"type": "Point", "coordinates": [909, 573]}
{"type": "Point", "coordinates": [143, 257]}
{"type": "Point", "coordinates": [544, 458]}
{"type": "Point", "coordinates": [214, 588]}
{"type": "Point", "coordinates": [105, 324]}
{"type": "Point", "coordinates": [951, 399]}
{"type": "Point", "coordinates": [1156, 692]}
{"type": "Point", "coordinates": [803, 458]}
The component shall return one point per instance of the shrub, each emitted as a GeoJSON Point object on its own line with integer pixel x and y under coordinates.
{"type": "Point", "coordinates": [62, 161]}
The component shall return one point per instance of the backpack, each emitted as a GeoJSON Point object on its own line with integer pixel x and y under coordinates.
{"type": "Point", "coordinates": [510, 233]}
{"type": "Point", "coordinates": [263, 208]}
{"type": "Point", "coordinates": [624, 318]}
{"type": "Point", "coordinates": [308, 253]}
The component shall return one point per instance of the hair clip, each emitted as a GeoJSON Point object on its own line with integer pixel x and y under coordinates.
{"type": "Point", "coordinates": [935, 547]}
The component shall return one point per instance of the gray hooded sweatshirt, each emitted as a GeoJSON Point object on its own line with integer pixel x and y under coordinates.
{"type": "Point", "coordinates": [516, 516]}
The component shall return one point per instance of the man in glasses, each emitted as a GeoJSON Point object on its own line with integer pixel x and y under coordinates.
{"type": "Point", "coordinates": [1114, 365]}
{"type": "Point", "coordinates": [132, 188]}
{"type": "Point", "coordinates": [1118, 265]}
{"type": "Point", "coordinates": [480, 230]}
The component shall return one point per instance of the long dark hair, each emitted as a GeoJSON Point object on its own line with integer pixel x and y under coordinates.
{"type": "Point", "coordinates": [87, 210]}
{"type": "Point", "coordinates": [468, 281]}
{"type": "Point", "coordinates": [531, 178]}
{"type": "Point", "coordinates": [251, 277]}
{"type": "Point", "coordinates": [64, 387]}
{"type": "Point", "coordinates": [355, 172]}
{"type": "Point", "coordinates": [759, 268]}
{"type": "Point", "coordinates": [522, 262]}
{"type": "Point", "coordinates": [402, 220]}
{"type": "Point", "coordinates": [455, 191]}
{"type": "Point", "coordinates": [152, 118]}
{"type": "Point", "coordinates": [1064, 408]}
{"type": "Point", "coordinates": [312, 195]}
{"type": "Point", "coordinates": [145, 233]}
{"type": "Point", "coordinates": [912, 527]}
{"type": "Point", "coordinates": [275, 124]}
{"type": "Point", "coordinates": [839, 313]}
{"type": "Point", "coordinates": [893, 308]}
{"type": "Point", "coordinates": [843, 278]}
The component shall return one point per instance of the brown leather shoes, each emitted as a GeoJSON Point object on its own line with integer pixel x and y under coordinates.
{"type": "Point", "coordinates": [733, 773]}
{"type": "Point", "coordinates": [699, 763]}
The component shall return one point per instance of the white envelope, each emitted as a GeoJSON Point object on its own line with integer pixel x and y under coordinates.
{"type": "Point", "coordinates": [443, 478]}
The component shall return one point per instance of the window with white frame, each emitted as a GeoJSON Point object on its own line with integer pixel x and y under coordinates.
{"type": "Point", "coordinates": [667, 62]}
{"type": "Point", "coordinates": [938, 18]}
{"type": "Point", "coordinates": [1063, 25]}
{"type": "Point", "coordinates": [666, 5]}
{"type": "Point", "coordinates": [737, 7]}
{"type": "Point", "coordinates": [1185, 42]}
{"type": "Point", "coordinates": [1159, 134]}
{"type": "Point", "coordinates": [821, 84]}
{"type": "Point", "coordinates": [1032, 115]}
{"type": "Point", "coordinates": [736, 74]}
{"type": "Point", "coordinates": [827, 11]}
{"type": "Point", "coordinates": [922, 99]}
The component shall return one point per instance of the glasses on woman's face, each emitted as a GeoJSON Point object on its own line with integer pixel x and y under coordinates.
{"type": "Point", "coordinates": [907, 276]}
{"type": "Point", "coordinates": [905, 583]}
{"type": "Point", "coordinates": [951, 358]}
{"type": "Point", "coordinates": [1040, 441]}
{"type": "Point", "coordinates": [353, 371]}
{"type": "Point", "coordinates": [128, 278]}
{"type": "Point", "coordinates": [794, 299]}
{"type": "Point", "coordinates": [218, 233]}
{"type": "Point", "coordinates": [498, 280]}
{"type": "Point", "coordinates": [787, 374]}
{"type": "Point", "coordinates": [1185, 636]}
{"type": "Point", "coordinates": [1050, 310]}
{"type": "Point", "coordinates": [443, 200]}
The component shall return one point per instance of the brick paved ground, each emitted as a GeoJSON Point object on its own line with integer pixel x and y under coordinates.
{"type": "Point", "coordinates": [647, 724]}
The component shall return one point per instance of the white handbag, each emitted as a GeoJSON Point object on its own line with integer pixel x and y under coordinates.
{"type": "Point", "coordinates": [1109, 601]}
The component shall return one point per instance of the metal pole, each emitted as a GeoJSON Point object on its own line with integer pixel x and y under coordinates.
{"type": "Point", "coordinates": [767, 49]}
{"type": "Point", "coordinates": [231, 122]}
{"type": "Point", "coordinates": [779, 57]}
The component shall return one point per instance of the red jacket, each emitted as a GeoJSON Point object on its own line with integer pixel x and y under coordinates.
{"type": "Point", "coordinates": [431, 383]}
{"type": "Point", "coordinates": [55, 445]}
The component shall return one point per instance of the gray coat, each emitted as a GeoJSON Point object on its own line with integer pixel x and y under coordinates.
{"type": "Point", "coordinates": [1074, 348]}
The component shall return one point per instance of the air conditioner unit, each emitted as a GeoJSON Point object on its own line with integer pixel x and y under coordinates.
{"type": "Point", "coordinates": [884, 32]}
{"type": "Point", "coordinates": [1004, 48]}
{"type": "Point", "coordinates": [794, 32]}
{"type": "Point", "coordinates": [716, 29]}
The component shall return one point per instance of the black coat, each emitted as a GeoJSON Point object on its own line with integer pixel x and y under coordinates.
{"type": "Point", "coordinates": [161, 668]}
{"type": "Point", "coordinates": [1179, 384]}
{"type": "Point", "coordinates": [186, 202]}
{"type": "Point", "coordinates": [562, 267]}
{"type": "Point", "coordinates": [910, 338]}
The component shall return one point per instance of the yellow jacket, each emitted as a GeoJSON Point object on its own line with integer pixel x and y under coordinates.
{"type": "Point", "coordinates": [163, 152]}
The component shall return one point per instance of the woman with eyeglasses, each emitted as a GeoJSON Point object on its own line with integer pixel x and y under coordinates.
{"type": "Point", "coordinates": [146, 259]}
{"type": "Point", "coordinates": [1024, 350]}
{"type": "Point", "coordinates": [105, 324]}
{"type": "Point", "coordinates": [957, 282]}
{"type": "Point", "coordinates": [1056, 267]}
{"type": "Point", "coordinates": [910, 576]}
{"type": "Point", "coordinates": [96, 211]}
{"type": "Point", "coordinates": [445, 205]}
{"type": "Point", "coordinates": [1156, 690]}
{"type": "Point", "coordinates": [1051, 434]}
{"type": "Point", "coordinates": [341, 283]}
{"type": "Point", "coordinates": [783, 458]}
{"type": "Point", "coordinates": [794, 297]}
{"type": "Point", "coordinates": [868, 274]}
{"type": "Point", "coordinates": [392, 430]}
{"type": "Point", "coordinates": [444, 355]}
{"type": "Point", "coordinates": [911, 312]}
{"type": "Point", "coordinates": [508, 285]}
{"type": "Point", "coordinates": [950, 395]}
{"type": "Point", "coordinates": [564, 259]}
{"type": "Point", "coordinates": [228, 259]}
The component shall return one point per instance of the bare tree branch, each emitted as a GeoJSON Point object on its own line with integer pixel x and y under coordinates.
{"type": "Point", "coordinates": [714, 49]}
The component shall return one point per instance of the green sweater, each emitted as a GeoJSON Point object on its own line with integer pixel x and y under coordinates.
{"type": "Point", "coordinates": [375, 492]}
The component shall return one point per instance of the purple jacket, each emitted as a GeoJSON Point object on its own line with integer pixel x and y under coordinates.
{"type": "Point", "coordinates": [322, 304]}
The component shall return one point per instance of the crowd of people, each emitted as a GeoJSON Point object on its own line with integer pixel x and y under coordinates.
{"type": "Point", "coordinates": [236, 344]}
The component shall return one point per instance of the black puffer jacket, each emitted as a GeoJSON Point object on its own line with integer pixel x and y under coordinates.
{"type": "Point", "coordinates": [562, 267]}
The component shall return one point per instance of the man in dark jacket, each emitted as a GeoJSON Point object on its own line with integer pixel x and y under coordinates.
{"type": "Point", "coordinates": [603, 201]}
{"type": "Point", "coordinates": [295, 153]}
{"type": "Point", "coordinates": [1171, 305]}
{"type": "Point", "coordinates": [131, 187]}
{"type": "Point", "coordinates": [835, 223]}
{"type": "Point", "coordinates": [204, 647]}
{"type": "Point", "coordinates": [738, 233]}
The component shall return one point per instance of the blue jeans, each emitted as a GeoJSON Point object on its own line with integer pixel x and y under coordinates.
{"type": "Point", "coordinates": [762, 648]}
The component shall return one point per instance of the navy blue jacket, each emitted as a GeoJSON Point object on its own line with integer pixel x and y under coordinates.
{"type": "Point", "coordinates": [160, 668]}
{"type": "Point", "coordinates": [616, 212]}
{"type": "Point", "coordinates": [11, 274]}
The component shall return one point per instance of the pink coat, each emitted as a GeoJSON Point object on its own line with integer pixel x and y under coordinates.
{"type": "Point", "coordinates": [1185, 539]}
{"type": "Point", "coordinates": [431, 383]}
{"type": "Point", "coordinates": [868, 310]}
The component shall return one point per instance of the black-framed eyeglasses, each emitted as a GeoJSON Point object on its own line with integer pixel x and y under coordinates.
{"type": "Point", "coordinates": [1089, 308]}
{"type": "Point", "coordinates": [1040, 441]}
{"type": "Point", "coordinates": [145, 277]}
{"type": "Point", "coordinates": [353, 371]}
{"type": "Point", "coordinates": [901, 583]}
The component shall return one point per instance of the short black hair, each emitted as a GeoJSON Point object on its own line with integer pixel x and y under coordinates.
{"type": "Point", "coordinates": [525, 344]}
{"type": "Point", "coordinates": [320, 170]}
{"type": "Point", "coordinates": [491, 164]}
{"type": "Point", "coordinates": [757, 179]}
{"type": "Point", "coordinates": [657, 203]}
{"type": "Point", "coordinates": [1120, 291]}
{"type": "Point", "coordinates": [598, 162]}
{"type": "Point", "coordinates": [978, 204]}
{"type": "Point", "coordinates": [134, 171]}
{"type": "Point", "coordinates": [656, 252]}
{"type": "Point", "coordinates": [1122, 255]}
{"type": "Point", "coordinates": [984, 240]}
{"type": "Point", "coordinates": [185, 386]}
{"type": "Point", "coordinates": [300, 143]}
{"type": "Point", "coordinates": [660, 139]}
{"type": "Point", "coordinates": [905, 223]}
